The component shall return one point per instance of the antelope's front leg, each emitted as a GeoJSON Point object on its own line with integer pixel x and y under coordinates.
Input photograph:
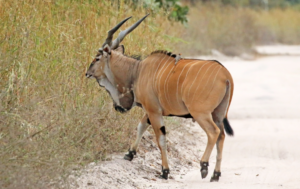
{"type": "Point", "coordinates": [160, 133]}
{"type": "Point", "coordinates": [143, 125]}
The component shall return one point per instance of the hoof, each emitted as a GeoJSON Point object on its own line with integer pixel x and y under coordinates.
{"type": "Point", "coordinates": [165, 173]}
{"type": "Point", "coordinates": [204, 173]}
{"type": "Point", "coordinates": [129, 156]}
{"type": "Point", "coordinates": [163, 177]}
{"type": "Point", "coordinates": [215, 177]}
{"type": "Point", "coordinates": [204, 169]}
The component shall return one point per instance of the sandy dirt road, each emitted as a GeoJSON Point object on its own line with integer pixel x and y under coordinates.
{"type": "Point", "coordinates": [265, 115]}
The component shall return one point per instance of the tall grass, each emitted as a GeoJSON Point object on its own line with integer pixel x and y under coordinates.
{"type": "Point", "coordinates": [235, 30]}
{"type": "Point", "coordinates": [51, 117]}
{"type": "Point", "coordinates": [279, 26]}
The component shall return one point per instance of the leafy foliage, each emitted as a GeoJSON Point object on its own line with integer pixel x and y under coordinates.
{"type": "Point", "coordinates": [173, 8]}
{"type": "Point", "coordinates": [177, 12]}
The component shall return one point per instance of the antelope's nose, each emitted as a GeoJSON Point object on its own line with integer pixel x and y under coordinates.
{"type": "Point", "coordinates": [88, 75]}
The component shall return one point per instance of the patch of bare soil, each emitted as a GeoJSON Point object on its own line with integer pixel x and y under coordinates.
{"type": "Point", "coordinates": [185, 144]}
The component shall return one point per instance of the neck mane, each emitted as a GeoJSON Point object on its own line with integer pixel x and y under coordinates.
{"type": "Point", "coordinates": [163, 52]}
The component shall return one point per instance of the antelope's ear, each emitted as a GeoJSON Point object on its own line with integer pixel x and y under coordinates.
{"type": "Point", "coordinates": [120, 49]}
{"type": "Point", "coordinates": [107, 48]}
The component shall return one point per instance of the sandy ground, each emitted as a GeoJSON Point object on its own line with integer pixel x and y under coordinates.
{"type": "Point", "coordinates": [264, 153]}
{"type": "Point", "coordinates": [143, 171]}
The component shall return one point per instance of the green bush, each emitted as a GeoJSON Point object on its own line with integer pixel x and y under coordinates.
{"type": "Point", "coordinates": [172, 8]}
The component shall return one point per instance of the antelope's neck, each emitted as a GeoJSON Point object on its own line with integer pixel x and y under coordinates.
{"type": "Point", "coordinates": [124, 70]}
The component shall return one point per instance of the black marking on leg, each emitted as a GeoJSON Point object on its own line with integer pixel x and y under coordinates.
{"type": "Point", "coordinates": [204, 165]}
{"type": "Point", "coordinates": [148, 121]}
{"type": "Point", "coordinates": [129, 156]}
{"type": "Point", "coordinates": [163, 130]}
{"type": "Point", "coordinates": [215, 177]}
{"type": "Point", "coordinates": [204, 169]}
{"type": "Point", "coordinates": [165, 173]}
{"type": "Point", "coordinates": [139, 105]}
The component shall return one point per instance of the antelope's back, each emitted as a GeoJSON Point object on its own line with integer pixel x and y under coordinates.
{"type": "Point", "coordinates": [189, 84]}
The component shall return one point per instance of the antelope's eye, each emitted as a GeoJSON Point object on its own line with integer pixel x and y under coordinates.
{"type": "Point", "coordinates": [97, 59]}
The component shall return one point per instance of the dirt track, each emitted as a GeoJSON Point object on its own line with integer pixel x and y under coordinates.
{"type": "Point", "coordinates": [264, 153]}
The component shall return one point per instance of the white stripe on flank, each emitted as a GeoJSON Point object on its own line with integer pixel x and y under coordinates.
{"type": "Point", "coordinates": [163, 71]}
{"type": "Point", "coordinates": [154, 76]}
{"type": "Point", "coordinates": [206, 82]}
{"type": "Point", "coordinates": [196, 79]}
{"type": "Point", "coordinates": [214, 80]}
{"type": "Point", "coordinates": [179, 79]}
{"type": "Point", "coordinates": [159, 74]}
{"type": "Point", "coordinates": [186, 76]}
{"type": "Point", "coordinates": [166, 90]}
{"type": "Point", "coordinates": [155, 59]}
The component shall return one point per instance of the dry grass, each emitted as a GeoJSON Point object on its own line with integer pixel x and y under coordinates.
{"type": "Point", "coordinates": [235, 30]}
{"type": "Point", "coordinates": [278, 25]}
{"type": "Point", "coordinates": [52, 118]}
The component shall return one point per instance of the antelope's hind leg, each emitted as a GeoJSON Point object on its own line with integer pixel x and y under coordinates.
{"type": "Point", "coordinates": [218, 119]}
{"type": "Point", "coordinates": [217, 171]}
{"type": "Point", "coordinates": [142, 127]}
{"type": "Point", "coordinates": [212, 131]}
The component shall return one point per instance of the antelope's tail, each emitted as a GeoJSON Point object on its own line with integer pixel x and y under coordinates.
{"type": "Point", "coordinates": [227, 98]}
{"type": "Point", "coordinates": [227, 127]}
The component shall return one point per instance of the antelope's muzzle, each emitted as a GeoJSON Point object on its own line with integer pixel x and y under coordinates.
{"type": "Point", "coordinates": [88, 75]}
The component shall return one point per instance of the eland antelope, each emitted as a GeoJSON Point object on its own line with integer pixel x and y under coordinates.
{"type": "Point", "coordinates": [191, 88]}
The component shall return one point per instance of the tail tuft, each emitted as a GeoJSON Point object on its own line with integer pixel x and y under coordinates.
{"type": "Point", "coordinates": [227, 127]}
